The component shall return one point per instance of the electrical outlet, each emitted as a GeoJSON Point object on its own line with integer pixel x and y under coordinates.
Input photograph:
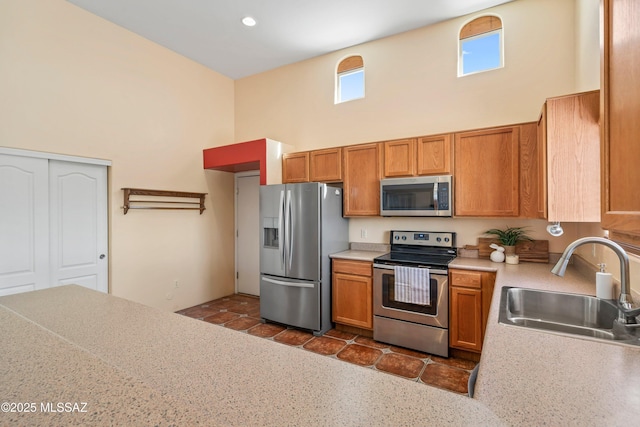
{"type": "Point", "coordinates": [363, 233]}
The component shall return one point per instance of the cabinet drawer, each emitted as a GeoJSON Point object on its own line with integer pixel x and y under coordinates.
{"type": "Point", "coordinates": [468, 279]}
{"type": "Point", "coordinates": [359, 268]}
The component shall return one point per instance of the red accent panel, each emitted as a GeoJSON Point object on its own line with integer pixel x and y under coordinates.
{"type": "Point", "coordinates": [239, 157]}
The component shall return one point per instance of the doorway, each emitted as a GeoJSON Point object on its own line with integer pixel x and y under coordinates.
{"type": "Point", "coordinates": [247, 195]}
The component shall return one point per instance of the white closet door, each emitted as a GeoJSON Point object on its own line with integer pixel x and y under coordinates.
{"type": "Point", "coordinates": [78, 224]}
{"type": "Point", "coordinates": [24, 224]}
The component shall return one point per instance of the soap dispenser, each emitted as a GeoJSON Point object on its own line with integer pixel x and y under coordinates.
{"type": "Point", "coordinates": [604, 283]}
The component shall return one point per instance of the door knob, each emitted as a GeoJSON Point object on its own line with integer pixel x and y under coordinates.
{"type": "Point", "coordinates": [102, 256]}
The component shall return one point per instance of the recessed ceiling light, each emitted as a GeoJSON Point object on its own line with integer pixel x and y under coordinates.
{"type": "Point", "coordinates": [248, 21]}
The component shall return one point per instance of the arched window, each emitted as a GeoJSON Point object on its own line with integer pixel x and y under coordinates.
{"type": "Point", "coordinates": [481, 45]}
{"type": "Point", "coordinates": [350, 79]}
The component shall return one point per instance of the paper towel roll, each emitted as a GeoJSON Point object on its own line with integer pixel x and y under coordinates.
{"type": "Point", "coordinates": [604, 286]}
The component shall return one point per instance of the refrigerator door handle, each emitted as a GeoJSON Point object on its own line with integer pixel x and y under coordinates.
{"type": "Point", "coordinates": [293, 284]}
{"type": "Point", "coordinates": [289, 229]}
{"type": "Point", "coordinates": [281, 229]}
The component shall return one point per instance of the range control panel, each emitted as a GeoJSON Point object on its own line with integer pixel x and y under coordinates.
{"type": "Point", "coordinates": [423, 238]}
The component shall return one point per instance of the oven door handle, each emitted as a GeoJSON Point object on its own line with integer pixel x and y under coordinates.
{"type": "Point", "coordinates": [431, 270]}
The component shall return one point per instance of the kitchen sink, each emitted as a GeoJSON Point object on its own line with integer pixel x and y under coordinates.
{"type": "Point", "coordinates": [571, 314]}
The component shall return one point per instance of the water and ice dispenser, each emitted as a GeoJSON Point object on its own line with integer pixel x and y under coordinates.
{"type": "Point", "coordinates": [270, 232]}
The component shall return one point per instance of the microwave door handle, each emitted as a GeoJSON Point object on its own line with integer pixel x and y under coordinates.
{"type": "Point", "coordinates": [435, 196]}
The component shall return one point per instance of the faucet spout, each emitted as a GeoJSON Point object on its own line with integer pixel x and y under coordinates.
{"type": "Point", "coordinates": [625, 302]}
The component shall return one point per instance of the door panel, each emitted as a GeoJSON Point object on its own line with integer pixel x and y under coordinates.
{"type": "Point", "coordinates": [303, 242]}
{"type": "Point", "coordinates": [78, 223]}
{"type": "Point", "coordinates": [248, 234]}
{"type": "Point", "coordinates": [24, 227]}
{"type": "Point", "coordinates": [291, 302]}
{"type": "Point", "coordinates": [272, 220]}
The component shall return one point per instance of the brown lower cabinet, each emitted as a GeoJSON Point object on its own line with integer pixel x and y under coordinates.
{"type": "Point", "coordinates": [470, 295]}
{"type": "Point", "coordinates": [352, 293]}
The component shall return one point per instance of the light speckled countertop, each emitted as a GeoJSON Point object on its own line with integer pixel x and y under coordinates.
{"type": "Point", "coordinates": [528, 377]}
{"type": "Point", "coordinates": [136, 365]}
{"type": "Point", "coordinates": [362, 251]}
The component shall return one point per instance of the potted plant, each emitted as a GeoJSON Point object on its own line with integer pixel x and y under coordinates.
{"type": "Point", "coordinates": [510, 237]}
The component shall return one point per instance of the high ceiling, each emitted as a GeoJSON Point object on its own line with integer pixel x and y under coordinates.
{"type": "Point", "coordinates": [287, 31]}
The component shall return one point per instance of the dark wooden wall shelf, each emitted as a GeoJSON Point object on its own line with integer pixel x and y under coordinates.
{"type": "Point", "coordinates": [170, 204]}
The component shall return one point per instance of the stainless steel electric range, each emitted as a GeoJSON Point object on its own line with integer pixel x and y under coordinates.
{"type": "Point", "coordinates": [413, 310]}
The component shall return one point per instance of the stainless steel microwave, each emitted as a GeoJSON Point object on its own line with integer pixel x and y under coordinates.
{"type": "Point", "coordinates": [418, 196]}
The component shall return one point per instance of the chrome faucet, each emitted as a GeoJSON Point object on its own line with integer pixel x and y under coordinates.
{"type": "Point", "coordinates": [627, 312]}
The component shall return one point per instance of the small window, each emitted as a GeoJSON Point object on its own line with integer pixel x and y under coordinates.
{"type": "Point", "coordinates": [481, 46]}
{"type": "Point", "coordinates": [350, 79]}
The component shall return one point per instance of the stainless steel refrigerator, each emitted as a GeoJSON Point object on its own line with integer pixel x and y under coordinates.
{"type": "Point", "coordinates": [301, 224]}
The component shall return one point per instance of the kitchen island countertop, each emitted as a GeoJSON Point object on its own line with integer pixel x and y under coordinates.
{"type": "Point", "coordinates": [132, 364]}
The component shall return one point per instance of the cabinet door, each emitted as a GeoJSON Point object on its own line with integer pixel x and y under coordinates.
{"type": "Point", "coordinates": [529, 186]}
{"type": "Point", "coordinates": [352, 300]}
{"type": "Point", "coordinates": [542, 163]}
{"type": "Point", "coordinates": [434, 155]}
{"type": "Point", "coordinates": [326, 165]}
{"type": "Point", "coordinates": [487, 172]}
{"type": "Point", "coordinates": [573, 157]}
{"type": "Point", "coordinates": [400, 158]}
{"type": "Point", "coordinates": [621, 123]}
{"type": "Point", "coordinates": [362, 180]}
{"type": "Point", "coordinates": [466, 318]}
{"type": "Point", "coordinates": [295, 167]}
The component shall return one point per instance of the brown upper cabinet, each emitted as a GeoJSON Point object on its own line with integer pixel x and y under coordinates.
{"type": "Point", "coordinates": [620, 125]}
{"type": "Point", "coordinates": [434, 155]}
{"type": "Point", "coordinates": [399, 158]}
{"type": "Point", "coordinates": [295, 167]}
{"type": "Point", "coordinates": [529, 171]}
{"type": "Point", "coordinates": [362, 167]}
{"type": "Point", "coordinates": [325, 165]}
{"type": "Point", "coordinates": [312, 166]}
{"type": "Point", "coordinates": [427, 155]}
{"type": "Point", "coordinates": [487, 172]}
{"type": "Point", "coordinates": [569, 158]}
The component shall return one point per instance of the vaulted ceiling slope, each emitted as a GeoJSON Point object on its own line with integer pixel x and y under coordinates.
{"type": "Point", "coordinates": [287, 31]}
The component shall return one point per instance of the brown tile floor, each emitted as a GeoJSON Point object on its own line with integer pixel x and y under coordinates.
{"type": "Point", "coordinates": [242, 313]}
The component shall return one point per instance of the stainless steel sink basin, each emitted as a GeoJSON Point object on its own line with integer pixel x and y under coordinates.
{"type": "Point", "coordinates": [572, 314]}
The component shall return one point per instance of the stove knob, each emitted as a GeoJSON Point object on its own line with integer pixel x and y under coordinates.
{"type": "Point", "coordinates": [404, 237]}
{"type": "Point", "coordinates": [439, 239]}
{"type": "Point", "coordinates": [396, 237]}
{"type": "Point", "coordinates": [446, 239]}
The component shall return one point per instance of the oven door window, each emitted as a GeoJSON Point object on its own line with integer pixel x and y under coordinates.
{"type": "Point", "coordinates": [388, 298]}
{"type": "Point", "coordinates": [408, 197]}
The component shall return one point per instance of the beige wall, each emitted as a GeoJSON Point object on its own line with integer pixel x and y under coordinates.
{"type": "Point", "coordinates": [412, 86]}
{"type": "Point", "coordinates": [587, 23]}
{"type": "Point", "coordinates": [73, 83]}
